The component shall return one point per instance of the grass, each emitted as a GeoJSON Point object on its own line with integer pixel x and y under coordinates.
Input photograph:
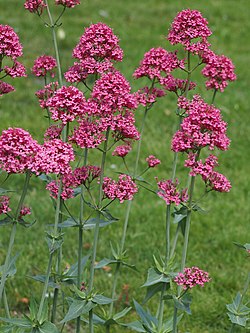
{"type": "Point", "coordinates": [140, 26]}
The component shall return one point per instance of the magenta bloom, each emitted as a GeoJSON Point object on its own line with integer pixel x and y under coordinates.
{"type": "Point", "coordinates": [123, 189]}
{"type": "Point", "coordinates": [53, 132]}
{"type": "Point", "coordinates": [146, 95]}
{"type": "Point", "coordinates": [67, 3]}
{"type": "Point", "coordinates": [190, 29]}
{"type": "Point", "coordinates": [54, 157]}
{"type": "Point", "coordinates": [24, 211]}
{"type": "Point", "coordinates": [202, 127]}
{"type": "Point", "coordinates": [17, 70]}
{"type": "Point", "coordinates": [98, 42]}
{"type": "Point", "coordinates": [122, 150]}
{"type": "Point", "coordinates": [9, 43]}
{"type": "Point", "coordinates": [152, 161]}
{"type": "Point", "coordinates": [192, 277]}
{"type": "Point", "coordinates": [4, 204]}
{"type": "Point", "coordinates": [53, 187]}
{"type": "Point", "coordinates": [18, 150]}
{"type": "Point", "coordinates": [5, 88]}
{"type": "Point", "coordinates": [66, 104]}
{"type": "Point", "coordinates": [169, 192]}
{"type": "Point", "coordinates": [157, 62]}
{"type": "Point", "coordinates": [123, 126]}
{"type": "Point", "coordinates": [45, 94]}
{"type": "Point", "coordinates": [35, 6]}
{"type": "Point", "coordinates": [219, 70]}
{"type": "Point", "coordinates": [44, 65]}
{"type": "Point", "coordinates": [176, 85]}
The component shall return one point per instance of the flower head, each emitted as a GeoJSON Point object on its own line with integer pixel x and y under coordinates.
{"type": "Point", "coordinates": [192, 277]}
{"type": "Point", "coordinates": [9, 43]}
{"type": "Point", "coordinates": [122, 150]}
{"type": "Point", "coordinates": [5, 88]}
{"type": "Point", "coordinates": [44, 65]}
{"type": "Point", "coordinates": [4, 204]}
{"type": "Point", "coordinates": [99, 42]}
{"type": "Point", "coordinates": [45, 94]}
{"type": "Point", "coordinates": [68, 3]}
{"type": "Point", "coordinates": [18, 150]}
{"type": "Point", "coordinates": [169, 192]}
{"type": "Point", "coordinates": [190, 29]}
{"type": "Point", "coordinates": [35, 6]}
{"type": "Point", "coordinates": [152, 161]}
{"type": "Point", "coordinates": [17, 70]}
{"type": "Point", "coordinates": [24, 211]}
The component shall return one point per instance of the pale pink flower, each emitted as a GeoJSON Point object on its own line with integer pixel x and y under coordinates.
{"type": "Point", "coordinates": [44, 65]}
{"type": "Point", "coordinates": [192, 277]}
{"type": "Point", "coordinates": [68, 3]}
{"type": "Point", "coordinates": [35, 6]}
{"type": "Point", "coordinates": [4, 204]}
{"type": "Point", "coordinates": [152, 161]}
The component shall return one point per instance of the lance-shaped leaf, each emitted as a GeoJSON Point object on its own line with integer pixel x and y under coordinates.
{"type": "Point", "coordinates": [100, 299]}
{"type": "Point", "coordinates": [7, 220]}
{"type": "Point", "coordinates": [26, 224]}
{"type": "Point", "coordinates": [146, 317]}
{"type": "Point", "coordinates": [4, 191]}
{"type": "Point", "coordinates": [78, 308]}
{"type": "Point", "coordinates": [152, 290]}
{"type": "Point", "coordinates": [121, 314]}
{"type": "Point", "coordinates": [42, 278]}
{"type": "Point", "coordinates": [136, 326]}
{"type": "Point", "coordinates": [11, 270]}
{"type": "Point", "coordinates": [69, 223]}
{"type": "Point", "coordinates": [107, 215]}
{"type": "Point", "coordinates": [168, 325]}
{"type": "Point", "coordinates": [54, 242]}
{"type": "Point", "coordinates": [241, 321]}
{"type": "Point", "coordinates": [48, 327]}
{"type": "Point", "coordinates": [91, 223]}
{"type": "Point", "coordinates": [105, 262]}
{"type": "Point", "coordinates": [179, 214]}
{"type": "Point", "coordinates": [183, 303]}
{"type": "Point", "coordinates": [155, 277]}
{"type": "Point", "coordinates": [18, 322]}
{"type": "Point", "coordinates": [70, 276]}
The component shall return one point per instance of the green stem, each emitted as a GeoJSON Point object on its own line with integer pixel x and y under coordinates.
{"type": "Point", "coordinates": [6, 305]}
{"type": "Point", "coordinates": [175, 240]}
{"type": "Point", "coordinates": [91, 324]}
{"type": "Point", "coordinates": [13, 234]}
{"type": "Point", "coordinates": [45, 288]}
{"type": "Point", "coordinates": [114, 288]}
{"type": "Point", "coordinates": [54, 305]}
{"type": "Point", "coordinates": [232, 328]}
{"type": "Point", "coordinates": [214, 94]}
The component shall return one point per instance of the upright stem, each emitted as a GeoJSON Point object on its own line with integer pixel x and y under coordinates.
{"type": "Point", "coordinates": [6, 305]}
{"type": "Point", "coordinates": [13, 234]}
{"type": "Point", "coordinates": [214, 94]}
{"type": "Point", "coordinates": [114, 288]}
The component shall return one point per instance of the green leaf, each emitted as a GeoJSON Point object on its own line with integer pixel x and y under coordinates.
{"type": "Point", "coordinates": [19, 322]}
{"type": "Point", "coordinates": [168, 325]}
{"type": "Point", "coordinates": [45, 178]}
{"type": "Point", "coordinates": [105, 262]}
{"type": "Point", "coordinates": [241, 321]}
{"type": "Point", "coordinates": [70, 276]}
{"type": "Point", "coordinates": [33, 308]}
{"type": "Point", "coordinates": [48, 327]}
{"type": "Point", "coordinates": [152, 290]}
{"type": "Point", "coordinates": [7, 220]}
{"type": "Point", "coordinates": [69, 223]}
{"type": "Point", "coordinates": [183, 303]}
{"type": "Point", "coordinates": [179, 214]}
{"type": "Point", "coordinates": [100, 299]}
{"type": "Point", "coordinates": [44, 315]}
{"type": "Point", "coordinates": [42, 278]}
{"type": "Point", "coordinates": [155, 277]}
{"type": "Point", "coordinates": [237, 308]}
{"type": "Point", "coordinates": [11, 270]}
{"type": "Point", "coordinates": [78, 308]}
{"type": "Point", "coordinates": [122, 313]}
{"type": "Point", "coordinates": [54, 242]}
{"type": "Point", "coordinates": [147, 319]}
{"type": "Point", "coordinates": [77, 191]}
{"type": "Point", "coordinates": [108, 216]}
{"type": "Point", "coordinates": [91, 223]}
{"type": "Point", "coordinates": [4, 191]}
{"type": "Point", "coordinates": [135, 326]}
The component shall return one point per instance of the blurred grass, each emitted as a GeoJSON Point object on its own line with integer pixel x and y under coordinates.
{"type": "Point", "coordinates": [141, 25]}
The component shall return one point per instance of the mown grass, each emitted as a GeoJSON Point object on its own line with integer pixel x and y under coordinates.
{"type": "Point", "coordinates": [140, 26]}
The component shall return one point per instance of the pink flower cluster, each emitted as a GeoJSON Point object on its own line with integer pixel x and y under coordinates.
{"type": "Point", "coordinates": [45, 94]}
{"type": "Point", "coordinates": [213, 179]}
{"type": "Point", "coordinates": [53, 132]}
{"type": "Point", "coordinates": [68, 3]}
{"type": "Point", "coordinates": [96, 50]}
{"type": "Point", "coordinates": [83, 175]}
{"type": "Point", "coordinates": [169, 192]}
{"type": "Point", "coordinates": [192, 277]}
{"type": "Point", "coordinates": [152, 161]}
{"type": "Point", "coordinates": [35, 6]}
{"type": "Point", "coordinates": [5, 88]}
{"type": "Point", "coordinates": [44, 65]}
{"type": "Point", "coordinates": [176, 85]}
{"type": "Point", "coordinates": [122, 150]}
{"type": "Point", "coordinates": [17, 150]}
{"type": "Point", "coordinates": [66, 104]}
{"type": "Point", "coordinates": [190, 29]}
{"type": "Point", "coordinates": [4, 204]}
{"type": "Point", "coordinates": [123, 189]}
{"type": "Point", "coordinates": [24, 211]}
{"type": "Point", "coordinates": [203, 126]}
{"type": "Point", "coordinates": [149, 96]}
{"type": "Point", "coordinates": [219, 70]}
{"type": "Point", "coordinates": [17, 70]}
{"type": "Point", "coordinates": [158, 62]}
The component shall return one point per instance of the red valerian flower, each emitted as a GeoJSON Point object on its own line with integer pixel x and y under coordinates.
{"type": "Point", "coordinates": [35, 6]}
{"type": "Point", "coordinates": [68, 3]}
{"type": "Point", "coordinates": [44, 65]}
{"type": "Point", "coordinates": [169, 192]}
{"type": "Point", "coordinates": [192, 277]}
{"type": "Point", "coordinates": [4, 204]}
{"type": "Point", "coordinates": [9, 43]}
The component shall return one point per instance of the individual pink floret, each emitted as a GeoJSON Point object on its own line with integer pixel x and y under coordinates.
{"type": "Point", "coordinates": [9, 43]}
{"type": "Point", "coordinates": [122, 150]}
{"type": "Point", "coordinates": [17, 70]}
{"type": "Point", "coordinates": [4, 204]}
{"type": "Point", "coordinates": [66, 104]}
{"type": "Point", "coordinates": [18, 150]}
{"type": "Point", "coordinates": [219, 70]}
{"type": "Point", "coordinates": [190, 29]}
{"type": "Point", "coordinates": [99, 42]}
{"type": "Point", "coordinates": [152, 161]}
{"type": "Point", "coordinates": [68, 3]}
{"type": "Point", "coordinates": [44, 65]}
{"type": "Point", "coordinates": [54, 157]}
{"type": "Point", "coordinates": [5, 88]}
{"type": "Point", "coordinates": [158, 62]}
{"type": "Point", "coordinates": [123, 189]}
{"type": "Point", "coordinates": [168, 191]}
{"type": "Point", "coordinates": [35, 6]}
{"type": "Point", "coordinates": [203, 126]}
{"type": "Point", "coordinates": [192, 277]}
